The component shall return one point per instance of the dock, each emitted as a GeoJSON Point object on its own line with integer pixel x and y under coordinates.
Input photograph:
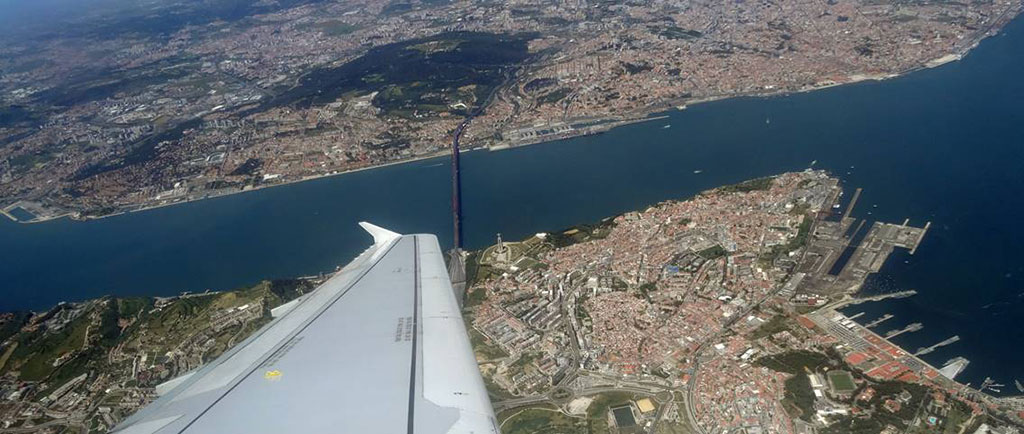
{"type": "Point", "coordinates": [855, 231]}
{"type": "Point", "coordinates": [990, 385]}
{"type": "Point", "coordinates": [841, 254]}
{"type": "Point", "coordinates": [926, 350]}
{"type": "Point", "coordinates": [878, 321]}
{"type": "Point", "coordinates": [879, 297]}
{"type": "Point", "coordinates": [954, 367]}
{"type": "Point", "coordinates": [853, 201]}
{"type": "Point", "coordinates": [921, 237]}
{"type": "Point", "coordinates": [910, 328]}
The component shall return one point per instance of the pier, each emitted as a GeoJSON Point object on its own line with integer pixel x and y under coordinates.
{"type": "Point", "coordinates": [990, 385]}
{"type": "Point", "coordinates": [921, 237]}
{"type": "Point", "coordinates": [910, 328]}
{"type": "Point", "coordinates": [923, 351]}
{"type": "Point", "coordinates": [841, 254]}
{"type": "Point", "coordinates": [878, 321]}
{"type": "Point", "coordinates": [850, 301]}
{"type": "Point", "coordinates": [954, 367]}
{"type": "Point", "coordinates": [855, 231]}
{"type": "Point", "coordinates": [853, 201]}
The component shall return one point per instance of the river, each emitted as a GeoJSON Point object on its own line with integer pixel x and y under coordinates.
{"type": "Point", "coordinates": [944, 145]}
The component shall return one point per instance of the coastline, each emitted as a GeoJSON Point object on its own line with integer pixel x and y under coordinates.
{"type": "Point", "coordinates": [640, 116]}
{"type": "Point", "coordinates": [817, 317]}
{"type": "Point", "coordinates": [70, 215]}
{"type": "Point", "coordinates": [654, 112]}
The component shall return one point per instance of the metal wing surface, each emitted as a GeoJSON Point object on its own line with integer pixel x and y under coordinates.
{"type": "Point", "coordinates": [378, 348]}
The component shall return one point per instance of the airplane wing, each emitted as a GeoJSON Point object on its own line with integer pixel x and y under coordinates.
{"type": "Point", "coordinates": [378, 348]}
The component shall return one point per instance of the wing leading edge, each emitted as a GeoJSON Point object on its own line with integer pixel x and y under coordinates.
{"type": "Point", "coordinates": [378, 348]}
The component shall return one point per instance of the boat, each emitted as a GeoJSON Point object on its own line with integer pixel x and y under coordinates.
{"type": "Point", "coordinates": [1020, 387]}
{"type": "Point", "coordinates": [698, 171]}
{"type": "Point", "coordinates": [666, 127]}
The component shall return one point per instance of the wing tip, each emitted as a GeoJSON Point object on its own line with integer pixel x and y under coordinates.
{"type": "Point", "coordinates": [380, 235]}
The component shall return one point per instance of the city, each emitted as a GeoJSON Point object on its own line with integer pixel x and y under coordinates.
{"type": "Point", "coordinates": [614, 277]}
{"type": "Point", "coordinates": [722, 309]}
{"type": "Point", "coordinates": [712, 314]}
{"type": "Point", "coordinates": [98, 125]}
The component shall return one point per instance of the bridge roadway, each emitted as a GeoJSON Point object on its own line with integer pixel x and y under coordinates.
{"type": "Point", "coordinates": [457, 185]}
{"type": "Point", "coordinates": [456, 169]}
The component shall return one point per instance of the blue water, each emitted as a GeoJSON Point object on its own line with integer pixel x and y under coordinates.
{"type": "Point", "coordinates": [21, 214]}
{"type": "Point", "coordinates": [944, 145]}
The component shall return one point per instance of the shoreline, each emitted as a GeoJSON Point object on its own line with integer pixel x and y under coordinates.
{"type": "Point", "coordinates": [658, 111]}
{"type": "Point", "coordinates": [830, 310]}
{"type": "Point", "coordinates": [70, 215]}
{"type": "Point", "coordinates": [918, 359]}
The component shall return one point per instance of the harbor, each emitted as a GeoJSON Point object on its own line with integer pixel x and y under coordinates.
{"type": "Point", "coordinates": [879, 358]}
{"type": "Point", "coordinates": [840, 256]}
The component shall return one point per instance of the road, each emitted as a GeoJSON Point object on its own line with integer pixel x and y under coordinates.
{"type": "Point", "coordinates": [456, 169]}
{"type": "Point", "coordinates": [643, 387]}
{"type": "Point", "coordinates": [691, 386]}
{"type": "Point", "coordinates": [547, 399]}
